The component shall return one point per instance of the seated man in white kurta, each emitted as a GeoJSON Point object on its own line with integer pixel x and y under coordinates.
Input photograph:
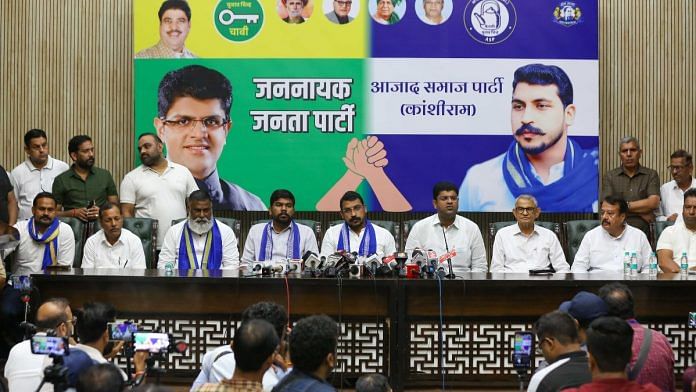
{"type": "Point", "coordinates": [113, 246]}
{"type": "Point", "coordinates": [200, 241]}
{"type": "Point", "coordinates": [525, 246]}
{"type": "Point", "coordinates": [603, 248]}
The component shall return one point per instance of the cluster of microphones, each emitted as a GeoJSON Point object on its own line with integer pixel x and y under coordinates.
{"type": "Point", "coordinates": [422, 264]}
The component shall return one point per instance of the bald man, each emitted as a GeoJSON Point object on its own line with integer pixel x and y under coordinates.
{"type": "Point", "coordinates": [24, 370]}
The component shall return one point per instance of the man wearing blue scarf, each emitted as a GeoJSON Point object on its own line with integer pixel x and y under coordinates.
{"type": "Point", "coordinates": [200, 241]}
{"type": "Point", "coordinates": [280, 238]}
{"type": "Point", "coordinates": [542, 161]}
{"type": "Point", "coordinates": [357, 233]}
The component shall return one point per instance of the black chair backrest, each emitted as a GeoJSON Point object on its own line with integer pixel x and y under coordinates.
{"type": "Point", "coordinates": [146, 230]}
{"type": "Point", "coordinates": [79, 231]}
{"type": "Point", "coordinates": [656, 229]}
{"type": "Point", "coordinates": [574, 233]}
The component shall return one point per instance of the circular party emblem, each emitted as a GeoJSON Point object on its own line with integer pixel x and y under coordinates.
{"type": "Point", "coordinates": [490, 21]}
{"type": "Point", "coordinates": [238, 21]}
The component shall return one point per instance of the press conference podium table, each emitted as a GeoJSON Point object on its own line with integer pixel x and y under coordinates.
{"type": "Point", "coordinates": [388, 325]}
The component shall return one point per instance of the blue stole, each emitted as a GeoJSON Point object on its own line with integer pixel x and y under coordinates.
{"type": "Point", "coordinates": [49, 239]}
{"type": "Point", "coordinates": [368, 244]}
{"type": "Point", "coordinates": [576, 191]}
{"type": "Point", "coordinates": [293, 248]}
{"type": "Point", "coordinates": [212, 253]}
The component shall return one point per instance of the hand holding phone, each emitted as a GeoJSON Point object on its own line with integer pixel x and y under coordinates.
{"type": "Point", "coordinates": [522, 354]}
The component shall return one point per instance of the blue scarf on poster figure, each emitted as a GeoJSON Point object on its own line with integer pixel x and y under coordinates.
{"type": "Point", "coordinates": [576, 191]}
{"type": "Point", "coordinates": [368, 244]}
{"type": "Point", "coordinates": [212, 253]}
{"type": "Point", "coordinates": [293, 247]}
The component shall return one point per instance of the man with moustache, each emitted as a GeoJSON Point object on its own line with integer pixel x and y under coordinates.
{"type": "Point", "coordinates": [635, 183]}
{"type": "Point", "coordinates": [602, 248]}
{"type": "Point", "coordinates": [542, 161]}
{"type": "Point", "coordinates": [113, 246]}
{"type": "Point", "coordinates": [449, 234]}
{"type": "Point", "coordinates": [357, 233]}
{"type": "Point", "coordinates": [199, 242]}
{"type": "Point", "coordinates": [280, 238]}
{"type": "Point", "coordinates": [156, 189]}
{"type": "Point", "coordinates": [341, 9]}
{"type": "Point", "coordinates": [294, 9]}
{"type": "Point", "coordinates": [525, 246]}
{"type": "Point", "coordinates": [681, 167]}
{"type": "Point", "coordinates": [175, 24]}
{"type": "Point", "coordinates": [83, 188]}
{"type": "Point", "coordinates": [680, 237]}
{"type": "Point", "coordinates": [36, 173]}
{"type": "Point", "coordinates": [193, 120]}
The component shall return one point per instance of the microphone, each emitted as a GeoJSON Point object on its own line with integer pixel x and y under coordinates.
{"type": "Point", "coordinates": [312, 260]}
{"type": "Point", "coordinates": [257, 266]}
{"type": "Point", "coordinates": [418, 257]}
{"type": "Point", "coordinates": [278, 269]}
{"type": "Point", "coordinates": [372, 264]}
{"type": "Point", "coordinates": [292, 267]}
{"type": "Point", "coordinates": [334, 259]}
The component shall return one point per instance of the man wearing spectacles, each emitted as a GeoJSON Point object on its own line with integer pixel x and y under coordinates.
{"type": "Point", "coordinates": [450, 235]}
{"type": "Point", "coordinates": [559, 343]}
{"type": "Point", "coordinates": [341, 11]}
{"type": "Point", "coordinates": [672, 193]}
{"type": "Point", "coordinates": [175, 24]}
{"type": "Point", "coordinates": [525, 246]}
{"type": "Point", "coordinates": [357, 233]}
{"type": "Point", "coordinates": [24, 370]}
{"type": "Point", "coordinates": [193, 120]}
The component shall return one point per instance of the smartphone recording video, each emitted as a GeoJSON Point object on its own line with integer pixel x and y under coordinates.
{"type": "Point", "coordinates": [522, 354]}
{"type": "Point", "coordinates": [152, 342]}
{"type": "Point", "coordinates": [122, 331]}
{"type": "Point", "coordinates": [21, 282]}
{"type": "Point", "coordinates": [49, 345]}
{"type": "Point", "coordinates": [692, 319]}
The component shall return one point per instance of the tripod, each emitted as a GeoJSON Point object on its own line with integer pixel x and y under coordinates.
{"type": "Point", "coordinates": [56, 374]}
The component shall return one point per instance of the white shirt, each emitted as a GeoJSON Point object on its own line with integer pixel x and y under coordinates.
{"type": "Point", "coordinates": [484, 188]}
{"type": "Point", "coordinates": [463, 236]}
{"type": "Point", "coordinates": [29, 181]}
{"type": "Point", "coordinates": [24, 369]}
{"type": "Point", "coordinates": [539, 376]}
{"type": "Point", "coordinates": [600, 251]}
{"type": "Point", "coordinates": [252, 246]}
{"type": "Point", "coordinates": [127, 252]}
{"type": "Point", "coordinates": [170, 246]}
{"type": "Point", "coordinates": [158, 196]}
{"type": "Point", "coordinates": [30, 253]}
{"type": "Point", "coordinates": [515, 252]}
{"type": "Point", "coordinates": [672, 200]}
{"type": "Point", "coordinates": [97, 357]}
{"type": "Point", "coordinates": [678, 239]}
{"type": "Point", "coordinates": [214, 371]}
{"type": "Point", "coordinates": [385, 240]}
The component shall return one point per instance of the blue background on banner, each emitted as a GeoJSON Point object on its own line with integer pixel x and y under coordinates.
{"type": "Point", "coordinates": [415, 161]}
{"type": "Point", "coordinates": [536, 35]}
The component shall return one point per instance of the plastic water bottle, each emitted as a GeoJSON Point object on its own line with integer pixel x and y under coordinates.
{"type": "Point", "coordinates": [634, 265]}
{"type": "Point", "coordinates": [684, 264]}
{"type": "Point", "coordinates": [652, 266]}
{"type": "Point", "coordinates": [627, 263]}
{"type": "Point", "coordinates": [169, 268]}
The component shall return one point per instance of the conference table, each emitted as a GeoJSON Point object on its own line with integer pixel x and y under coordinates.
{"type": "Point", "coordinates": [421, 333]}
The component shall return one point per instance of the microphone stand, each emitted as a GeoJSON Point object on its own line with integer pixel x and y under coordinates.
{"type": "Point", "coordinates": [451, 274]}
{"type": "Point", "coordinates": [26, 298]}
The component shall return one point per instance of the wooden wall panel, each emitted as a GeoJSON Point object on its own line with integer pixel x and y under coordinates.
{"type": "Point", "coordinates": [65, 66]}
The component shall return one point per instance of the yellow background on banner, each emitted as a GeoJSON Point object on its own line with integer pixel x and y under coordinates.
{"type": "Point", "coordinates": [316, 38]}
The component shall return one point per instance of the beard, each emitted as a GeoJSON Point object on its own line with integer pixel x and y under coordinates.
{"type": "Point", "coordinates": [200, 226]}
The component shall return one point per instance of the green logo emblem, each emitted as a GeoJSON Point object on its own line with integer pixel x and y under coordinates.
{"type": "Point", "coordinates": [238, 20]}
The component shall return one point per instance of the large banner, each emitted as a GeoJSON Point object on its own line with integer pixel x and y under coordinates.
{"type": "Point", "coordinates": [387, 97]}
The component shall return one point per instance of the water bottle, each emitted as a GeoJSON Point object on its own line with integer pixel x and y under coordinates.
{"type": "Point", "coordinates": [684, 264]}
{"type": "Point", "coordinates": [634, 265]}
{"type": "Point", "coordinates": [627, 263]}
{"type": "Point", "coordinates": [652, 267]}
{"type": "Point", "coordinates": [169, 268]}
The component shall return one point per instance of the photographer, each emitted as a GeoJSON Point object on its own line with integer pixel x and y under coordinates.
{"type": "Point", "coordinates": [24, 370]}
{"type": "Point", "coordinates": [92, 329]}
